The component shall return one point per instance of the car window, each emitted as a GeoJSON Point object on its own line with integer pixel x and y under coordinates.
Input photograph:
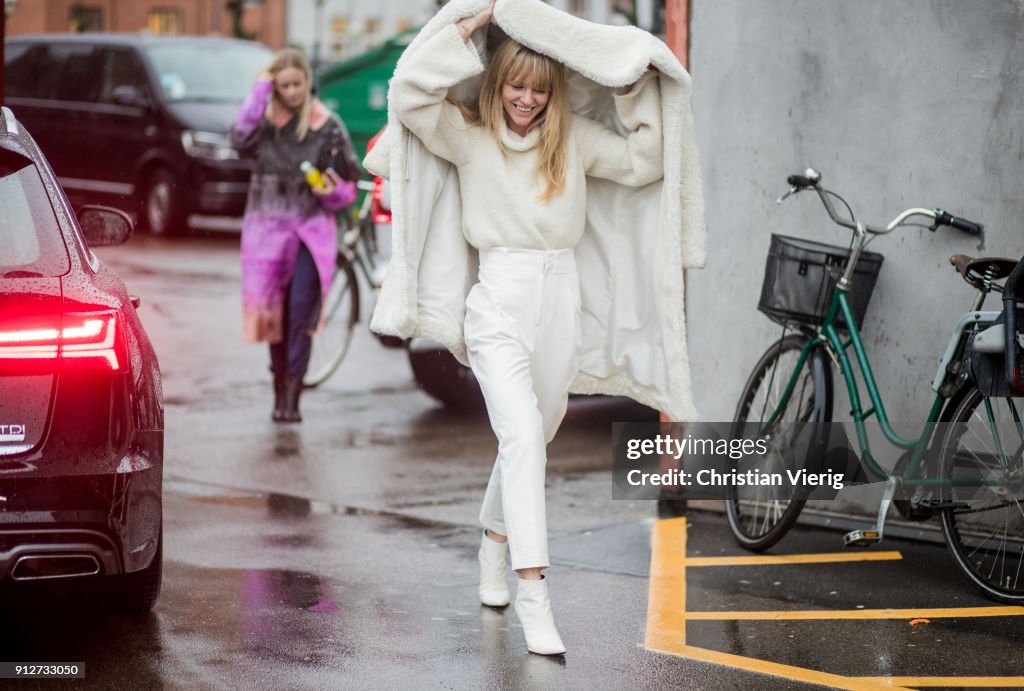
{"type": "Point", "coordinates": [31, 243]}
{"type": "Point", "coordinates": [197, 72]}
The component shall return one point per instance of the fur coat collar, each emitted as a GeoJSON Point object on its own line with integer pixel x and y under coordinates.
{"type": "Point", "coordinates": [637, 240]}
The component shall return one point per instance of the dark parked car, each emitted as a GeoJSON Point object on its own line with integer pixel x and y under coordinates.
{"type": "Point", "coordinates": [81, 408]}
{"type": "Point", "coordinates": [138, 121]}
{"type": "Point", "coordinates": [437, 372]}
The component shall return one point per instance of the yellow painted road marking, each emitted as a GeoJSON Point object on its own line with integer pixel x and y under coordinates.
{"type": "Point", "coordinates": [666, 597]}
{"type": "Point", "coordinates": [937, 613]}
{"type": "Point", "coordinates": [826, 558]}
{"type": "Point", "coordinates": [1004, 682]}
{"type": "Point", "coordinates": [779, 670]}
{"type": "Point", "coordinates": [666, 615]}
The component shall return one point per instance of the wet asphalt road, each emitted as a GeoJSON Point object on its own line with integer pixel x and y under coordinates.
{"type": "Point", "coordinates": [340, 553]}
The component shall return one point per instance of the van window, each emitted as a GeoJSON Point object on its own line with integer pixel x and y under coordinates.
{"type": "Point", "coordinates": [212, 72]}
{"type": "Point", "coordinates": [69, 73]}
{"type": "Point", "coordinates": [121, 68]}
{"type": "Point", "coordinates": [32, 243]}
{"type": "Point", "coordinates": [22, 72]}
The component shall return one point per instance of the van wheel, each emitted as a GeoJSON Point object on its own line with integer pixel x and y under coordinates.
{"type": "Point", "coordinates": [163, 211]}
{"type": "Point", "coordinates": [444, 378]}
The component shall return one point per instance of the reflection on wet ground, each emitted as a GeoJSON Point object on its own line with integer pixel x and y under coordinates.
{"type": "Point", "coordinates": [349, 599]}
{"type": "Point", "coordinates": [287, 443]}
{"type": "Point", "coordinates": [399, 605]}
{"type": "Point", "coordinates": [287, 506]}
{"type": "Point", "coordinates": [69, 624]}
{"type": "Point", "coordinates": [272, 591]}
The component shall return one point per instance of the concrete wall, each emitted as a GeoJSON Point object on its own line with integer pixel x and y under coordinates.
{"type": "Point", "coordinates": [898, 104]}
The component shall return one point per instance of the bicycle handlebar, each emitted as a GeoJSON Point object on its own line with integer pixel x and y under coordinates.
{"type": "Point", "coordinates": [943, 218]}
{"type": "Point", "coordinates": [811, 179]}
{"type": "Point", "coordinates": [800, 181]}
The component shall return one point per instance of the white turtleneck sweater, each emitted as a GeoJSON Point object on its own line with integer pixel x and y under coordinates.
{"type": "Point", "coordinates": [500, 192]}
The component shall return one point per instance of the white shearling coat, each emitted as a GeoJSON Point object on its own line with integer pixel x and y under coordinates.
{"type": "Point", "coordinates": [637, 240]}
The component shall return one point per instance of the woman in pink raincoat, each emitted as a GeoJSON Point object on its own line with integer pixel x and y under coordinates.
{"type": "Point", "coordinates": [289, 233]}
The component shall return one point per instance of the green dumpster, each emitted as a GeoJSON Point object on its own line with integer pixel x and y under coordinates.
{"type": "Point", "coordinates": [357, 89]}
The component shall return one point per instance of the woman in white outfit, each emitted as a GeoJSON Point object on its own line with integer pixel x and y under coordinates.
{"type": "Point", "coordinates": [522, 158]}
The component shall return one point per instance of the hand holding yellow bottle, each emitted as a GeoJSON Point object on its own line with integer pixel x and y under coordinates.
{"type": "Point", "coordinates": [313, 176]}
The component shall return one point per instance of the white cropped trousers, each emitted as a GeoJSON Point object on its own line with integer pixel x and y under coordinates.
{"type": "Point", "coordinates": [522, 333]}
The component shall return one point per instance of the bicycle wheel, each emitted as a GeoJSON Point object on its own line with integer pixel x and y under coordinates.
{"type": "Point", "coordinates": [340, 314]}
{"type": "Point", "coordinates": [757, 518]}
{"type": "Point", "coordinates": [984, 526]}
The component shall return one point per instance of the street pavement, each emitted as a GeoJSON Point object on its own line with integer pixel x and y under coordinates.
{"type": "Point", "coordinates": [341, 553]}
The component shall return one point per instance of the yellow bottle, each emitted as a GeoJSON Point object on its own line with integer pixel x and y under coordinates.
{"type": "Point", "coordinates": [313, 175]}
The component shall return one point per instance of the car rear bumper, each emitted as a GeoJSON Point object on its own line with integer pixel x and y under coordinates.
{"type": "Point", "coordinates": [37, 554]}
{"type": "Point", "coordinates": [79, 526]}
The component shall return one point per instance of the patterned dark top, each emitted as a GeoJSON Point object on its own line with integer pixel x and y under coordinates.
{"type": "Point", "coordinates": [278, 186]}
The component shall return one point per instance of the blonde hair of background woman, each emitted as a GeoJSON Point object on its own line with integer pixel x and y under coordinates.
{"type": "Point", "coordinates": [516, 64]}
{"type": "Point", "coordinates": [283, 59]}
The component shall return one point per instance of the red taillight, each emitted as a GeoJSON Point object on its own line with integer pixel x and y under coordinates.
{"type": "Point", "coordinates": [86, 339]}
{"type": "Point", "coordinates": [95, 339]}
{"type": "Point", "coordinates": [380, 214]}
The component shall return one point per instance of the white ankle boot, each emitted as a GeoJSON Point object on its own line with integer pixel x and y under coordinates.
{"type": "Point", "coordinates": [493, 573]}
{"type": "Point", "coordinates": [533, 606]}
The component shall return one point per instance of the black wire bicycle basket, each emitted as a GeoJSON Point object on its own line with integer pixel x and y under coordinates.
{"type": "Point", "coordinates": [801, 275]}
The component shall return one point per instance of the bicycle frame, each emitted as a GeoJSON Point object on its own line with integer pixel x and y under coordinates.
{"type": "Point", "coordinates": [965, 466]}
{"type": "Point", "coordinates": [830, 338]}
{"type": "Point", "coordinates": [361, 230]}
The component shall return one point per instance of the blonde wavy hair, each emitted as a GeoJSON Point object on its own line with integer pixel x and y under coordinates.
{"type": "Point", "coordinates": [514, 63]}
{"type": "Point", "coordinates": [290, 57]}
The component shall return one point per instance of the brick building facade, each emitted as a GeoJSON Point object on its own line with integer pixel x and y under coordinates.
{"type": "Point", "coordinates": [263, 20]}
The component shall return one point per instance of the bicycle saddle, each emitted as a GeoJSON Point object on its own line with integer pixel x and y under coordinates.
{"type": "Point", "coordinates": [980, 272]}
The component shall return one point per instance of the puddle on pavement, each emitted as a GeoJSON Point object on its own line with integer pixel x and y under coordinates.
{"type": "Point", "coordinates": [428, 502]}
{"type": "Point", "coordinates": [290, 541]}
{"type": "Point", "coordinates": [179, 401]}
{"type": "Point", "coordinates": [287, 506]}
{"type": "Point", "coordinates": [352, 439]}
{"type": "Point", "coordinates": [297, 589]}
{"type": "Point", "coordinates": [287, 444]}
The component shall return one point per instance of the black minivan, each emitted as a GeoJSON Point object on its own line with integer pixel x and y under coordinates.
{"type": "Point", "coordinates": [138, 121]}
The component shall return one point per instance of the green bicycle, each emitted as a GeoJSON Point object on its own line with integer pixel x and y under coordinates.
{"type": "Point", "coordinates": [967, 464]}
{"type": "Point", "coordinates": [357, 249]}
